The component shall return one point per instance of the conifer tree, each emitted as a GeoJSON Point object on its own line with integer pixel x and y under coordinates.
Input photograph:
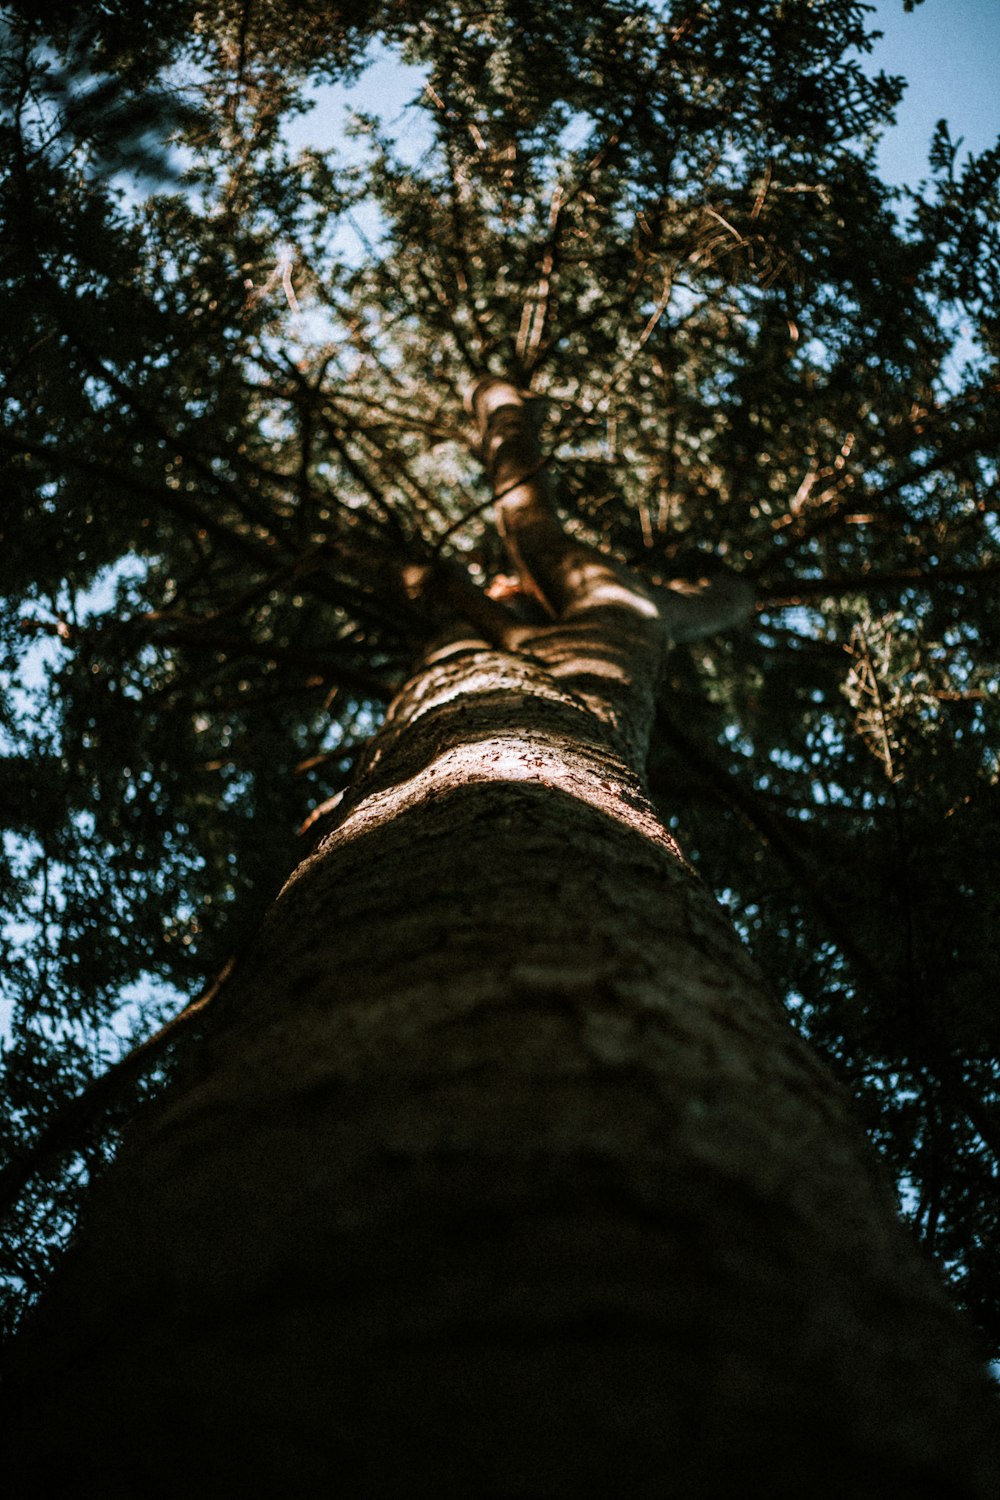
{"type": "Point", "coordinates": [601, 416]}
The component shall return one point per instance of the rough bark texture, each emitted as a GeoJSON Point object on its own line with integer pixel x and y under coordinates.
{"type": "Point", "coordinates": [499, 1172]}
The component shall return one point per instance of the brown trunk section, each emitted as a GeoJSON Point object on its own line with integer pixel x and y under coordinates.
{"type": "Point", "coordinates": [499, 1173]}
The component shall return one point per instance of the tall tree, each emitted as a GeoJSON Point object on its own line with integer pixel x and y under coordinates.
{"type": "Point", "coordinates": [494, 1163]}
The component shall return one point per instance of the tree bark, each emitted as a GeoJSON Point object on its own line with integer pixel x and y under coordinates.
{"type": "Point", "coordinates": [498, 1170]}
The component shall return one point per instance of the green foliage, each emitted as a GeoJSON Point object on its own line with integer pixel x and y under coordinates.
{"type": "Point", "coordinates": [237, 459]}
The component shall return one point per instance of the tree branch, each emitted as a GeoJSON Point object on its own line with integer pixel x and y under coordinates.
{"type": "Point", "coordinates": [64, 1131]}
{"type": "Point", "coordinates": [870, 583]}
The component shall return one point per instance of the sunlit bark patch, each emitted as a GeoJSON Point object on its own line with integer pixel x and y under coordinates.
{"type": "Point", "coordinates": [501, 759]}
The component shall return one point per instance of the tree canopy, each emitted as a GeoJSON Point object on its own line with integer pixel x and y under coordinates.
{"type": "Point", "coordinates": [241, 491]}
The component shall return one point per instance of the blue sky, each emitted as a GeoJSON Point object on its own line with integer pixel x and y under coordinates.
{"type": "Point", "coordinates": [949, 51]}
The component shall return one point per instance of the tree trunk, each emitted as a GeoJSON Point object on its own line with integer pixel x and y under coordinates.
{"type": "Point", "coordinates": [498, 1171]}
